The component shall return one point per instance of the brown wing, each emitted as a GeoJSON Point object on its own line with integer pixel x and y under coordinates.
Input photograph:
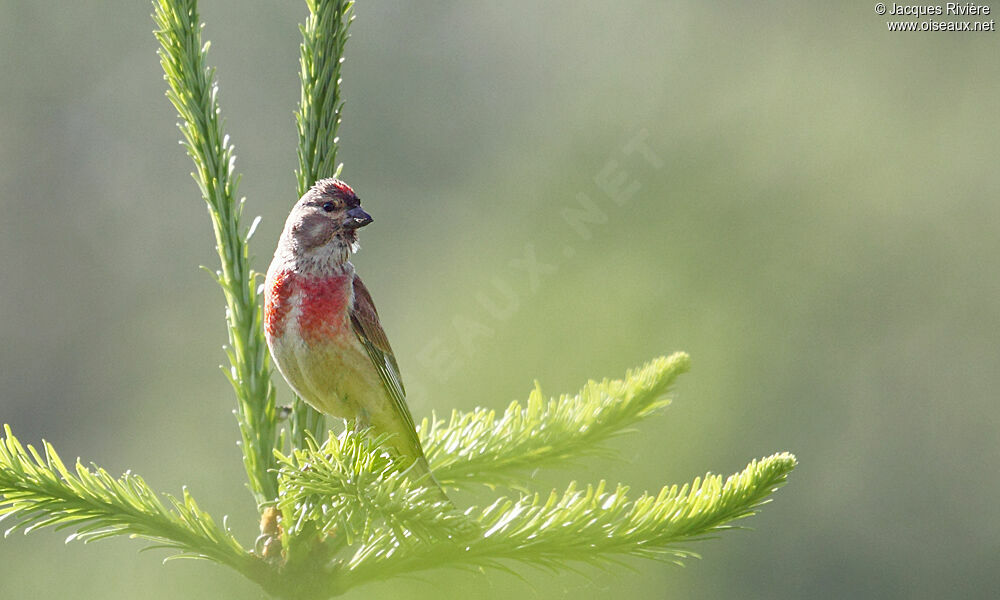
{"type": "Point", "coordinates": [366, 325]}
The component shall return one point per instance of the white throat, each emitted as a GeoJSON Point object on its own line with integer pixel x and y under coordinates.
{"type": "Point", "coordinates": [324, 261]}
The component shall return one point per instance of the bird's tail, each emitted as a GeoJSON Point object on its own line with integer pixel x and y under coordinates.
{"type": "Point", "coordinates": [421, 473]}
{"type": "Point", "coordinates": [407, 445]}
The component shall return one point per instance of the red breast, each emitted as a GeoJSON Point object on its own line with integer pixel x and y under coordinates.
{"type": "Point", "coordinates": [278, 302]}
{"type": "Point", "coordinates": [323, 305]}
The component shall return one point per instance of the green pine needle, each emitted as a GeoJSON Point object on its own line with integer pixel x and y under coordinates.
{"type": "Point", "coordinates": [193, 92]}
{"type": "Point", "coordinates": [317, 120]}
{"type": "Point", "coordinates": [321, 56]}
{"type": "Point", "coordinates": [386, 525]}
{"type": "Point", "coordinates": [479, 447]}
{"type": "Point", "coordinates": [38, 490]}
{"type": "Point", "coordinates": [353, 486]}
{"type": "Point", "coordinates": [590, 525]}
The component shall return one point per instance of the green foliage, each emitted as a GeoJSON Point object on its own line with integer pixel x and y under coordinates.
{"type": "Point", "coordinates": [346, 512]}
{"type": "Point", "coordinates": [476, 447]}
{"type": "Point", "coordinates": [391, 525]}
{"type": "Point", "coordinates": [195, 95]}
{"type": "Point", "coordinates": [355, 487]}
{"type": "Point", "coordinates": [321, 55]}
{"type": "Point", "coordinates": [590, 525]}
{"type": "Point", "coordinates": [40, 491]}
{"type": "Point", "coordinates": [351, 514]}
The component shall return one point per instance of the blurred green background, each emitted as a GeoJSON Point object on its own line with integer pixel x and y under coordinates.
{"type": "Point", "coordinates": [821, 235]}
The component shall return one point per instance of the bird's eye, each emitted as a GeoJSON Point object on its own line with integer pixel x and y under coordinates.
{"type": "Point", "coordinates": [328, 206]}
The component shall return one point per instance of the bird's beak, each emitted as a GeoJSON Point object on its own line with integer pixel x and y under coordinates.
{"type": "Point", "coordinates": [357, 218]}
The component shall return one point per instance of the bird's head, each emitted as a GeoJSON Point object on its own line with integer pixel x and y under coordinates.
{"type": "Point", "coordinates": [325, 222]}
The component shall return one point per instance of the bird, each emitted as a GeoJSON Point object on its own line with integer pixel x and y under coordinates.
{"type": "Point", "coordinates": [322, 328]}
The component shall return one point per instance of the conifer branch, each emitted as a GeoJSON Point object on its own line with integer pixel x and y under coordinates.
{"type": "Point", "coordinates": [388, 525]}
{"type": "Point", "coordinates": [353, 486]}
{"type": "Point", "coordinates": [317, 120]}
{"type": "Point", "coordinates": [321, 56]}
{"type": "Point", "coordinates": [194, 93]}
{"type": "Point", "coordinates": [478, 447]}
{"type": "Point", "coordinates": [590, 525]}
{"type": "Point", "coordinates": [38, 490]}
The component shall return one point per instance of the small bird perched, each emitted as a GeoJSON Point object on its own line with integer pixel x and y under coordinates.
{"type": "Point", "coordinates": [321, 325]}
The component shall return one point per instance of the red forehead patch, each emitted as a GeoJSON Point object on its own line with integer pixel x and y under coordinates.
{"type": "Point", "coordinates": [334, 187]}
